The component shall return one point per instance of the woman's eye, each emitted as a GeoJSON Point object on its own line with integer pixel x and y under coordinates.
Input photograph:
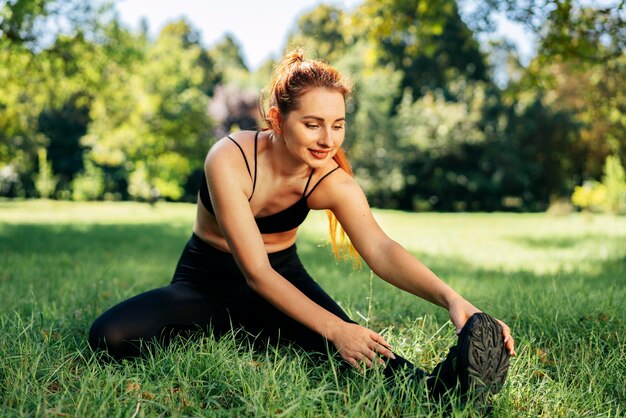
{"type": "Point", "coordinates": [338, 127]}
{"type": "Point", "coordinates": [310, 125]}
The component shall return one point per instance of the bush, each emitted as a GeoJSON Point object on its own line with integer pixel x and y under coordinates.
{"type": "Point", "coordinates": [89, 185]}
{"type": "Point", "coordinates": [614, 180]}
{"type": "Point", "coordinates": [45, 180]}
{"type": "Point", "coordinates": [590, 196]}
{"type": "Point", "coordinates": [608, 196]}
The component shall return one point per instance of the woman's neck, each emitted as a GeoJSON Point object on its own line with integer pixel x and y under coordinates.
{"type": "Point", "coordinates": [282, 160]}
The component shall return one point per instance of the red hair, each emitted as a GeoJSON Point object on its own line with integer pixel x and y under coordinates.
{"type": "Point", "coordinates": [293, 77]}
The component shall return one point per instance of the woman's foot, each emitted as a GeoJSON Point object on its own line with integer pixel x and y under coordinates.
{"type": "Point", "coordinates": [478, 363]}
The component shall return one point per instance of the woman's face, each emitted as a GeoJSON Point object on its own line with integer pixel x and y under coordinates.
{"type": "Point", "coordinates": [315, 131]}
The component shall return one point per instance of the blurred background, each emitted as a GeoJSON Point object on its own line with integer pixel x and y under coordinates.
{"type": "Point", "coordinates": [495, 105]}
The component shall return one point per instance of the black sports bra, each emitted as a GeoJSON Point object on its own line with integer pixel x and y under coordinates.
{"type": "Point", "coordinates": [285, 220]}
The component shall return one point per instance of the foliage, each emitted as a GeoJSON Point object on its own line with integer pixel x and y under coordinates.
{"type": "Point", "coordinates": [594, 95]}
{"type": "Point", "coordinates": [591, 196]}
{"type": "Point", "coordinates": [568, 28]}
{"type": "Point", "coordinates": [64, 127]}
{"type": "Point", "coordinates": [152, 121]}
{"type": "Point", "coordinates": [45, 181]}
{"type": "Point", "coordinates": [614, 180]}
{"type": "Point", "coordinates": [426, 40]}
{"type": "Point", "coordinates": [322, 32]}
{"type": "Point", "coordinates": [432, 132]}
{"type": "Point", "coordinates": [227, 54]}
{"type": "Point", "coordinates": [607, 196]}
{"type": "Point", "coordinates": [28, 22]}
{"type": "Point", "coordinates": [89, 184]}
{"type": "Point", "coordinates": [369, 138]}
{"type": "Point", "coordinates": [433, 124]}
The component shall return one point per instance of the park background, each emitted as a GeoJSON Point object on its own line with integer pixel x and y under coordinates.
{"type": "Point", "coordinates": [104, 127]}
{"type": "Point", "coordinates": [92, 108]}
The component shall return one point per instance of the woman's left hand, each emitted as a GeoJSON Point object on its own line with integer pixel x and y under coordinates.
{"type": "Point", "coordinates": [461, 310]}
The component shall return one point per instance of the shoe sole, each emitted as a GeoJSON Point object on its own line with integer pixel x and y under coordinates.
{"type": "Point", "coordinates": [483, 361]}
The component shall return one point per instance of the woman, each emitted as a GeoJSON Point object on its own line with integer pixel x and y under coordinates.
{"type": "Point", "coordinates": [240, 267]}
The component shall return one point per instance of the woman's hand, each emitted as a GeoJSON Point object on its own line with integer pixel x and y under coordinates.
{"type": "Point", "coordinates": [358, 344]}
{"type": "Point", "coordinates": [461, 310]}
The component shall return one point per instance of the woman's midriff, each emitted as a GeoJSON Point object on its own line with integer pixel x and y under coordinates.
{"type": "Point", "coordinates": [209, 231]}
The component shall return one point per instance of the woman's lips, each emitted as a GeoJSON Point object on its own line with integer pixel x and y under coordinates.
{"type": "Point", "coordinates": [320, 155]}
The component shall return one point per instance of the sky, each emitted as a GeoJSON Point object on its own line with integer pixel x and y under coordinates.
{"type": "Point", "coordinates": [260, 26]}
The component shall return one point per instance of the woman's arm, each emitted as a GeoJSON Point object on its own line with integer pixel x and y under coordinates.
{"type": "Point", "coordinates": [389, 260]}
{"type": "Point", "coordinates": [228, 189]}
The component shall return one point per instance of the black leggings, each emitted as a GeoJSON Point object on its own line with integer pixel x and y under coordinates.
{"type": "Point", "coordinates": [209, 292]}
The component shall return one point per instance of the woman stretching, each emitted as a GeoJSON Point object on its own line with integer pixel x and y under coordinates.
{"type": "Point", "coordinates": [240, 268]}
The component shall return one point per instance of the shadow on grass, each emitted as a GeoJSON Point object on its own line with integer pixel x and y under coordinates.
{"type": "Point", "coordinates": [563, 242]}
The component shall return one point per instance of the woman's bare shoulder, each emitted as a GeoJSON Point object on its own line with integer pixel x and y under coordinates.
{"type": "Point", "coordinates": [335, 187]}
{"type": "Point", "coordinates": [227, 146]}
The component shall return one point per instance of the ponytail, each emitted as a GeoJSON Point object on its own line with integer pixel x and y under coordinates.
{"type": "Point", "coordinates": [344, 248]}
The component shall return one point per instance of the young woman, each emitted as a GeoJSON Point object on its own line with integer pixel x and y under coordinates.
{"type": "Point", "coordinates": [240, 268]}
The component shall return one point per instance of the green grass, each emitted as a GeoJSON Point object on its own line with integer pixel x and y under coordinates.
{"type": "Point", "coordinates": [559, 282]}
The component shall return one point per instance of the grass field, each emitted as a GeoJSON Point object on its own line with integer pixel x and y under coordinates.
{"type": "Point", "coordinates": [559, 282]}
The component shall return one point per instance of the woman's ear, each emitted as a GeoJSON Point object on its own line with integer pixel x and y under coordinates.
{"type": "Point", "coordinates": [274, 119]}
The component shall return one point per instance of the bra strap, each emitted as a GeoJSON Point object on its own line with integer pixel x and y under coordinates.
{"type": "Point", "coordinates": [244, 155]}
{"type": "Point", "coordinates": [307, 183]}
{"type": "Point", "coordinates": [320, 180]}
{"type": "Point", "coordinates": [256, 136]}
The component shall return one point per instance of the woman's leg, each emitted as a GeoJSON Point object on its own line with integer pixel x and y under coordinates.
{"type": "Point", "coordinates": [156, 315]}
{"type": "Point", "coordinates": [262, 319]}
{"type": "Point", "coordinates": [204, 282]}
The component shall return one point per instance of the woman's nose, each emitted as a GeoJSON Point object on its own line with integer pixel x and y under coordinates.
{"type": "Point", "coordinates": [326, 138]}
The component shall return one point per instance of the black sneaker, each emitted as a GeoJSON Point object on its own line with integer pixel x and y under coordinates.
{"type": "Point", "coordinates": [478, 363]}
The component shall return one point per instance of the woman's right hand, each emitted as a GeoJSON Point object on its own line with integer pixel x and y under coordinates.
{"type": "Point", "coordinates": [358, 344]}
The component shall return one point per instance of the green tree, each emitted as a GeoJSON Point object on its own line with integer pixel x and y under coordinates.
{"type": "Point", "coordinates": [89, 184]}
{"type": "Point", "coordinates": [227, 54]}
{"type": "Point", "coordinates": [152, 121]}
{"type": "Point", "coordinates": [614, 181]}
{"type": "Point", "coordinates": [21, 101]}
{"type": "Point", "coordinates": [230, 67]}
{"type": "Point", "coordinates": [579, 70]}
{"type": "Point", "coordinates": [46, 66]}
{"type": "Point", "coordinates": [64, 127]}
{"type": "Point", "coordinates": [30, 23]}
{"type": "Point", "coordinates": [593, 93]}
{"type": "Point", "coordinates": [438, 140]}
{"type": "Point", "coordinates": [370, 141]}
{"type": "Point", "coordinates": [45, 180]}
{"type": "Point", "coordinates": [426, 40]}
{"type": "Point", "coordinates": [567, 28]}
{"type": "Point", "coordinates": [322, 32]}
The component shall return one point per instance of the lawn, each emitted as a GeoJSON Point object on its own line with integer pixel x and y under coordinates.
{"type": "Point", "coordinates": [558, 281]}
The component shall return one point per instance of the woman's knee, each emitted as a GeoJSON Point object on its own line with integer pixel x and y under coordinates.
{"type": "Point", "coordinates": [112, 338]}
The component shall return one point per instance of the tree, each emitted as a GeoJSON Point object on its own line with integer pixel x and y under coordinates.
{"type": "Point", "coordinates": [567, 28]}
{"type": "Point", "coordinates": [322, 32]}
{"type": "Point", "coordinates": [579, 71]}
{"type": "Point", "coordinates": [49, 69]}
{"type": "Point", "coordinates": [227, 54]}
{"type": "Point", "coordinates": [426, 40]}
{"type": "Point", "coordinates": [591, 92]}
{"type": "Point", "coordinates": [370, 140]}
{"type": "Point", "coordinates": [64, 127]}
{"type": "Point", "coordinates": [33, 23]}
{"type": "Point", "coordinates": [23, 97]}
{"type": "Point", "coordinates": [151, 121]}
